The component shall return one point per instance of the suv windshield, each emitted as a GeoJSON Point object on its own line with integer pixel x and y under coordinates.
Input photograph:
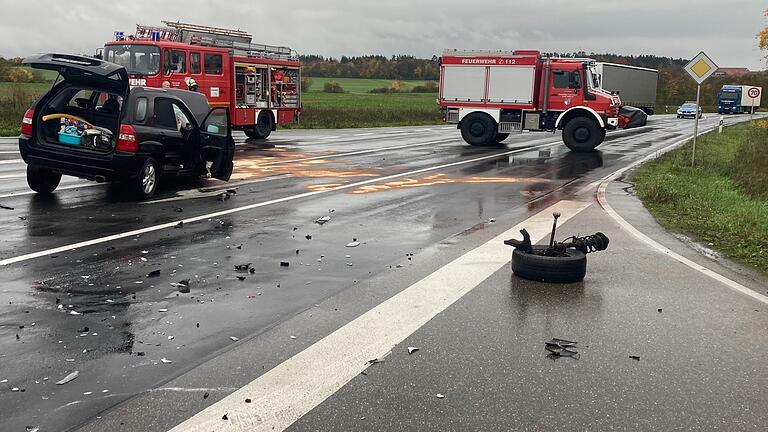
{"type": "Point", "coordinates": [136, 59]}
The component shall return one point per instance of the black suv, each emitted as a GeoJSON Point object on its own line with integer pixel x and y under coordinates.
{"type": "Point", "coordinates": [92, 125]}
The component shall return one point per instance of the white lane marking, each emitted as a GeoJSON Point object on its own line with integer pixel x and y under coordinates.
{"type": "Point", "coordinates": [329, 137]}
{"type": "Point", "coordinates": [10, 176]}
{"type": "Point", "coordinates": [288, 391]}
{"type": "Point", "coordinates": [11, 161]}
{"type": "Point", "coordinates": [601, 199]}
{"type": "Point", "coordinates": [139, 231]}
{"type": "Point", "coordinates": [9, 152]}
{"type": "Point", "coordinates": [364, 134]}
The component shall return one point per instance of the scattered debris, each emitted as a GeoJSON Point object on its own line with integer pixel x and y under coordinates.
{"type": "Point", "coordinates": [166, 361]}
{"type": "Point", "coordinates": [182, 285]}
{"type": "Point", "coordinates": [23, 218]}
{"type": "Point", "coordinates": [634, 357]}
{"type": "Point", "coordinates": [84, 330]}
{"type": "Point", "coordinates": [491, 220]}
{"type": "Point", "coordinates": [223, 196]}
{"type": "Point", "coordinates": [412, 350]}
{"type": "Point", "coordinates": [561, 348]}
{"type": "Point", "coordinates": [74, 312]}
{"type": "Point", "coordinates": [247, 400]}
{"type": "Point", "coordinates": [659, 310]}
{"type": "Point", "coordinates": [308, 237]}
{"type": "Point", "coordinates": [243, 267]}
{"type": "Point", "coordinates": [32, 429]}
{"type": "Point", "coordinates": [440, 396]}
{"type": "Point", "coordinates": [322, 220]}
{"type": "Point", "coordinates": [180, 224]}
{"type": "Point", "coordinates": [68, 378]}
{"type": "Point", "coordinates": [171, 337]}
{"type": "Point", "coordinates": [284, 264]}
{"type": "Point", "coordinates": [353, 244]}
{"type": "Point", "coordinates": [224, 417]}
{"type": "Point", "coordinates": [162, 310]}
{"type": "Point", "coordinates": [376, 360]}
{"type": "Point", "coordinates": [232, 191]}
{"type": "Point", "coordinates": [5, 207]}
{"type": "Point", "coordinates": [251, 270]}
{"type": "Point", "coordinates": [241, 278]}
{"type": "Point", "coordinates": [153, 273]}
{"type": "Point", "coordinates": [178, 209]}
{"type": "Point", "coordinates": [240, 246]}
{"type": "Point", "coordinates": [205, 395]}
{"type": "Point", "coordinates": [293, 337]}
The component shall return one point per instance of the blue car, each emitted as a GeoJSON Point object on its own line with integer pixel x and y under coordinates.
{"type": "Point", "coordinates": [688, 110]}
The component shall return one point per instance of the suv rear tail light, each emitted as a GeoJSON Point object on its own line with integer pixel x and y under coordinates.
{"type": "Point", "coordinates": [126, 139]}
{"type": "Point", "coordinates": [26, 122]}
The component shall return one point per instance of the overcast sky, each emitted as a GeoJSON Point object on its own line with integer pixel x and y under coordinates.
{"type": "Point", "coordinates": [725, 29]}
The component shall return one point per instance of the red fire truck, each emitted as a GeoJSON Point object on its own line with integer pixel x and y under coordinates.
{"type": "Point", "coordinates": [491, 94]}
{"type": "Point", "coordinates": [261, 84]}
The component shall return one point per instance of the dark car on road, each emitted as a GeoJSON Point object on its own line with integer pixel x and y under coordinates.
{"type": "Point", "coordinates": [93, 125]}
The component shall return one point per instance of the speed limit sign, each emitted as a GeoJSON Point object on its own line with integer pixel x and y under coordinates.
{"type": "Point", "coordinates": [754, 92]}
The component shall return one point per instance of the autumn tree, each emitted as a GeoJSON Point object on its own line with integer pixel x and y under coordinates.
{"type": "Point", "coordinates": [762, 37]}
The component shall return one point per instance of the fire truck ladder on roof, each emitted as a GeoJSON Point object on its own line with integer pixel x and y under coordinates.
{"type": "Point", "coordinates": [247, 49]}
{"type": "Point", "coordinates": [194, 28]}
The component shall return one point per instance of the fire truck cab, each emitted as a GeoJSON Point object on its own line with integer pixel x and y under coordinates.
{"type": "Point", "coordinates": [490, 94]}
{"type": "Point", "coordinates": [260, 84]}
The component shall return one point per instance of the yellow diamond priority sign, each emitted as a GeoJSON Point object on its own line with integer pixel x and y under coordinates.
{"type": "Point", "coordinates": [701, 67]}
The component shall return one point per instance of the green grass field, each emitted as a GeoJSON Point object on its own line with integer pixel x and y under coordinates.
{"type": "Point", "coordinates": [360, 85]}
{"type": "Point", "coordinates": [356, 108]}
{"type": "Point", "coordinates": [351, 110]}
{"type": "Point", "coordinates": [717, 202]}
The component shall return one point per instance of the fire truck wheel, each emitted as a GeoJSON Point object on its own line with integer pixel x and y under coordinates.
{"type": "Point", "coordinates": [478, 129]}
{"type": "Point", "coordinates": [262, 128]}
{"type": "Point", "coordinates": [500, 137]}
{"type": "Point", "coordinates": [42, 180]}
{"type": "Point", "coordinates": [582, 134]}
{"type": "Point", "coordinates": [570, 268]}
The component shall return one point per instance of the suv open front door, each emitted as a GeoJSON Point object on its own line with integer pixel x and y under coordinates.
{"type": "Point", "coordinates": [217, 144]}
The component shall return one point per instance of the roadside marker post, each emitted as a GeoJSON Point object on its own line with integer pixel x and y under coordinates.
{"type": "Point", "coordinates": [720, 126]}
{"type": "Point", "coordinates": [700, 68]}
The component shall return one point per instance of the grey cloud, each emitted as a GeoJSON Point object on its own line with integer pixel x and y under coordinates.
{"type": "Point", "coordinates": [725, 29]}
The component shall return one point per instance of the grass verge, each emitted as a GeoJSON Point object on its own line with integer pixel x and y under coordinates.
{"type": "Point", "coordinates": [711, 201]}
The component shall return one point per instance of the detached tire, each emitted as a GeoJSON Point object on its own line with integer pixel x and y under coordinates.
{"type": "Point", "coordinates": [570, 268]}
{"type": "Point", "coordinates": [144, 185]}
{"type": "Point", "coordinates": [263, 127]}
{"type": "Point", "coordinates": [582, 134]}
{"type": "Point", "coordinates": [479, 129]}
{"type": "Point", "coordinates": [42, 180]}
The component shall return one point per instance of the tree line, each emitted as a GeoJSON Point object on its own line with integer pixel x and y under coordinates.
{"type": "Point", "coordinates": [10, 71]}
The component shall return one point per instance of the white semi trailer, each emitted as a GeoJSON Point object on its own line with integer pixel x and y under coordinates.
{"type": "Point", "coordinates": [635, 85]}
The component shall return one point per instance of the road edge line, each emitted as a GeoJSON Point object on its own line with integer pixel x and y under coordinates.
{"type": "Point", "coordinates": [603, 202]}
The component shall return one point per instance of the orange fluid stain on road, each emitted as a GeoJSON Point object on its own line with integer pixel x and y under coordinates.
{"type": "Point", "coordinates": [286, 164]}
{"type": "Point", "coordinates": [432, 180]}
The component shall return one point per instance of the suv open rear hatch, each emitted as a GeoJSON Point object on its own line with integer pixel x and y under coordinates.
{"type": "Point", "coordinates": [82, 70]}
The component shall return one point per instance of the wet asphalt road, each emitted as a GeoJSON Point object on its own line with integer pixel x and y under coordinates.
{"type": "Point", "coordinates": [95, 310]}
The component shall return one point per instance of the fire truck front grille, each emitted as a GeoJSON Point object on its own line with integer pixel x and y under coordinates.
{"type": "Point", "coordinates": [508, 127]}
